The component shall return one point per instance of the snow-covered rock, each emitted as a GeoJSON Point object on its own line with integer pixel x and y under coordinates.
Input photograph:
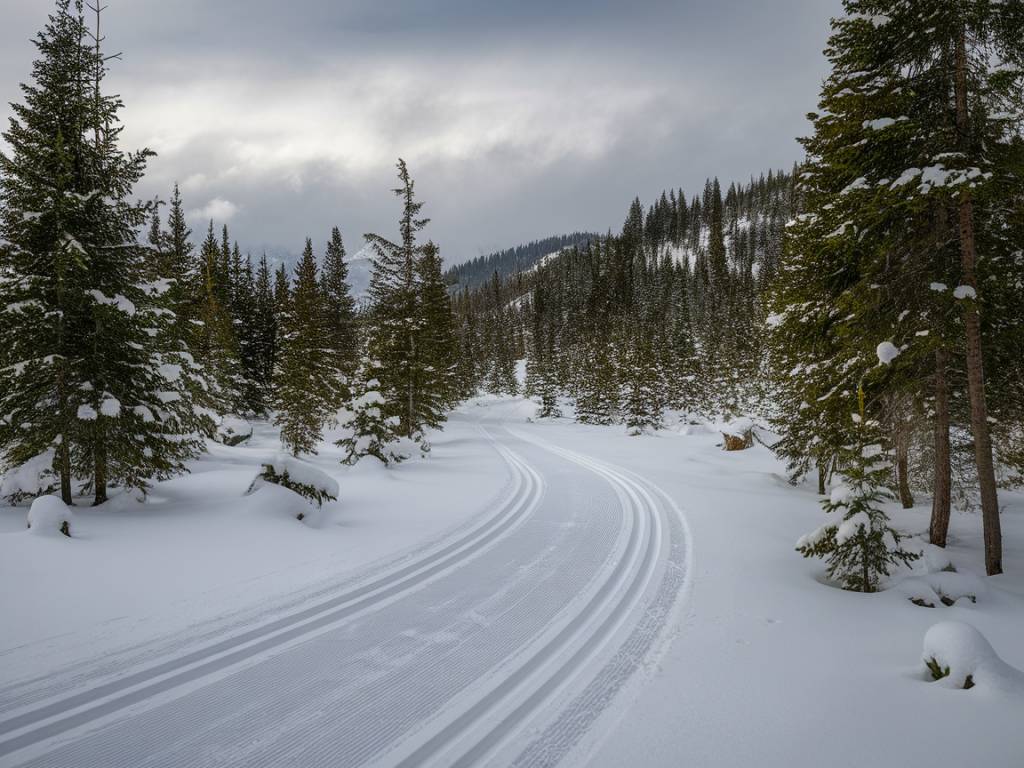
{"type": "Point", "coordinates": [738, 434]}
{"type": "Point", "coordinates": [233, 430]}
{"type": "Point", "coordinates": [959, 656]}
{"type": "Point", "coordinates": [49, 516]}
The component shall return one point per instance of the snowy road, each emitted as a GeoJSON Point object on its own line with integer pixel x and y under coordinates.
{"type": "Point", "coordinates": [514, 642]}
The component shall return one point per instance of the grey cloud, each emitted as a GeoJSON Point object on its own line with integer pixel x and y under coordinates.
{"type": "Point", "coordinates": [518, 119]}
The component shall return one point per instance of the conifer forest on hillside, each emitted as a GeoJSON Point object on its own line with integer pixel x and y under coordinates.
{"type": "Point", "coordinates": [619, 494]}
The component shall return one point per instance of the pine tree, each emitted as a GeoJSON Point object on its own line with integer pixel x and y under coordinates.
{"type": "Point", "coordinates": [370, 431]}
{"type": "Point", "coordinates": [409, 351]}
{"type": "Point", "coordinates": [643, 404]}
{"type": "Point", "coordinates": [438, 343]}
{"type": "Point", "coordinates": [597, 401]}
{"type": "Point", "coordinates": [215, 344]}
{"type": "Point", "coordinates": [306, 378]}
{"type": "Point", "coordinates": [896, 159]}
{"type": "Point", "coordinates": [862, 547]}
{"type": "Point", "coordinates": [340, 308]}
{"type": "Point", "coordinates": [88, 378]}
{"type": "Point", "coordinates": [264, 338]}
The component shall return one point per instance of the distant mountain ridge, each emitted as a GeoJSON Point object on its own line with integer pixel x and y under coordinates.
{"type": "Point", "coordinates": [471, 274]}
{"type": "Point", "coordinates": [475, 272]}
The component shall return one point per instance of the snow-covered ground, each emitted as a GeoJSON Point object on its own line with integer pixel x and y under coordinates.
{"type": "Point", "coordinates": [534, 592]}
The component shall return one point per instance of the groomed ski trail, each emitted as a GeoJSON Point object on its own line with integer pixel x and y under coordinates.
{"type": "Point", "coordinates": [505, 645]}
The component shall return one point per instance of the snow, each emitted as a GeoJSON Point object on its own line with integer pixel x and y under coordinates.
{"type": "Point", "coordinates": [962, 292]}
{"type": "Point", "coordinates": [233, 430]}
{"type": "Point", "coordinates": [736, 654]}
{"type": "Point", "coordinates": [144, 413]}
{"type": "Point", "coordinates": [301, 472]}
{"type": "Point", "coordinates": [87, 413]}
{"type": "Point", "coordinates": [939, 287]}
{"type": "Point", "coordinates": [966, 653]}
{"type": "Point", "coordinates": [737, 427]}
{"type": "Point", "coordinates": [119, 302]}
{"type": "Point", "coordinates": [882, 123]}
{"type": "Point", "coordinates": [887, 352]}
{"type": "Point", "coordinates": [31, 479]}
{"type": "Point", "coordinates": [47, 515]}
{"type": "Point", "coordinates": [170, 372]}
{"type": "Point", "coordinates": [110, 407]}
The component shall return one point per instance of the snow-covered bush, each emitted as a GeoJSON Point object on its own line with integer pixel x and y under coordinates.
{"type": "Point", "coordinates": [32, 479]}
{"type": "Point", "coordinates": [943, 587]}
{"type": "Point", "coordinates": [49, 516]}
{"type": "Point", "coordinates": [959, 655]}
{"type": "Point", "coordinates": [298, 476]}
{"type": "Point", "coordinates": [862, 547]}
{"type": "Point", "coordinates": [233, 430]}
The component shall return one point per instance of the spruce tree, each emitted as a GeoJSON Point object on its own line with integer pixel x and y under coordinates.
{"type": "Point", "coordinates": [340, 308]}
{"type": "Point", "coordinates": [862, 547]}
{"type": "Point", "coordinates": [88, 377]}
{"type": "Point", "coordinates": [370, 430]}
{"type": "Point", "coordinates": [215, 344]}
{"type": "Point", "coordinates": [306, 377]}
{"type": "Point", "coordinates": [405, 337]}
{"type": "Point", "coordinates": [264, 337]}
{"type": "Point", "coordinates": [643, 405]}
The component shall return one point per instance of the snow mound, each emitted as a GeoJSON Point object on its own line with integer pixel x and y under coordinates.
{"type": "Point", "coordinates": [737, 428]}
{"type": "Point", "coordinates": [298, 476]}
{"type": "Point", "coordinates": [49, 516]}
{"type": "Point", "coordinates": [959, 656]}
{"type": "Point", "coordinates": [280, 503]}
{"type": "Point", "coordinates": [233, 430]}
{"type": "Point", "coordinates": [943, 587]}
{"type": "Point", "coordinates": [32, 479]}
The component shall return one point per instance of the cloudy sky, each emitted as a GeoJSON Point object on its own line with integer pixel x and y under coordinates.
{"type": "Point", "coordinates": [518, 118]}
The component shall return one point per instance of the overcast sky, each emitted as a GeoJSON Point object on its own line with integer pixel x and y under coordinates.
{"type": "Point", "coordinates": [518, 118]}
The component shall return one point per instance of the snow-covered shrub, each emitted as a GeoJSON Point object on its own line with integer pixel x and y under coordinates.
{"type": "Point", "coordinates": [298, 476]}
{"type": "Point", "coordinates": [32, 479]}
{"type": "Point", "coordinates": [959, 655]}
{"type": "Point", "coordinates": [946, 587]}
{"type": "Point", "coordinates": [862, 547]}
{"type": "Point", "coordinates": [48, 516]}
{"type": "Point", "coordinates": [233, 430]}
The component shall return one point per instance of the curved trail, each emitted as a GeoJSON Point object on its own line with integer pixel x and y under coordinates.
{"type": "Point", "coordinates": [503, 646]}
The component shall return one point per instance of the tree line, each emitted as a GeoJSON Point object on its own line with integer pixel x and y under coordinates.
{"type": "Point", "coordinates": [869, 306]}
{"type": "Point", "coordinates": [122, 345]}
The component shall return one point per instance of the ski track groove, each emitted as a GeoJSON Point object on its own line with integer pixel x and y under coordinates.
{"type": "Point", "coordinates": [55, 683]}
{"type": "Point", "coordinates": [452, 688]}
{"type": "Point", "coordinates": [519, 505]}
{"type": "Point", "coordinates": [559, 738]}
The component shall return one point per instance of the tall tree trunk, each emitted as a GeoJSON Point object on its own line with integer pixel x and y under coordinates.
{"type": "Point", "coordinates": [99, 455]}
{"type": "Point", "coordinates": [903, 462]}
{"type": "Point", "coordinates": [822, 474]}
{"type": "Point", "coordinates": [64, 464]}
{"type": "Point", "coordinates": [972, 326]}
{"type": "Point", "coordinates": [941, 494]}
{"type": "Point", "coordinates": [411, 405]}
